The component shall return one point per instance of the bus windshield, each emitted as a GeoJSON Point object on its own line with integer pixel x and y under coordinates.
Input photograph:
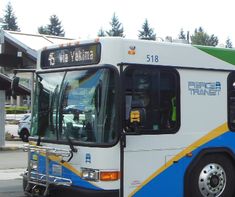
{"type": "Point", "coordinates": [77, 105]}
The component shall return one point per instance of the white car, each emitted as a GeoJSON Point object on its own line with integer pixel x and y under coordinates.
{"type": "Point", "coordinates": [24, 127]}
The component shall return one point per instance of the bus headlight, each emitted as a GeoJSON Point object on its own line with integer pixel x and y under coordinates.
{"type": "Point", "coordinates": [90, 174]}
{"type": "Point", "coordinates": [34, 165]}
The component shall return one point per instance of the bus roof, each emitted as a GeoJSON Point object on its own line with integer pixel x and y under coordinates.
{"type": "Point", "coordinates": [116, 50]}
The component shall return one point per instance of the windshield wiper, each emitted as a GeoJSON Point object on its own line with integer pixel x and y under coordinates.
{"type": "Point", "coordinates": [68, 127]}
{"type": "Point", "coordinates": [72, 148]}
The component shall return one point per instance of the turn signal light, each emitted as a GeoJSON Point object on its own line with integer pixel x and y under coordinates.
{"type": "Point", "coordinates": [109, 175]}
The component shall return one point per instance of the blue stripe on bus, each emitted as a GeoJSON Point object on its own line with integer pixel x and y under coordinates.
{"type": "Point", "coordinates": [171, 181]}
{"type": "Point", "coordinates": [66, 173]}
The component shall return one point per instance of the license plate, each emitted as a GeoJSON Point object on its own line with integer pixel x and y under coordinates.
{"type": "Point", "coordinates": [56, 170]}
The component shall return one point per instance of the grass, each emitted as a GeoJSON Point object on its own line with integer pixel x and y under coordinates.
{"type": "Point", "coordinates": [16, 109]}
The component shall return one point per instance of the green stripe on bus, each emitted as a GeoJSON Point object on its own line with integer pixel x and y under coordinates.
{"type": "Point", "coordinates": [227, 55]}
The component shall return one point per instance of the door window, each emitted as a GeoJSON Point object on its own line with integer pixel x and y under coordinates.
{"type": "Point", "coordinates": [152, 100]}
{"type": "Point", "coordinates": [231, 101]}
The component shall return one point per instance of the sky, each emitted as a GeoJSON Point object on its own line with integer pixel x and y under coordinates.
{"type": "Point", "coordinates": [82, 19]}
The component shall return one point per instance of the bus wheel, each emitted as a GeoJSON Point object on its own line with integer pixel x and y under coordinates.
{"type": "Point", "coordinates": [212, 176]}
{"type": "Point", "coordinates": [25, 183]}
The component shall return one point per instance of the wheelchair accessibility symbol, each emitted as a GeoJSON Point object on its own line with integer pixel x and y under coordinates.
{"type": "Point", "coordinates": [88, 158]}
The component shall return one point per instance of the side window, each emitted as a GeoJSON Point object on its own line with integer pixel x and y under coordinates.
{"type": "Point", "coordinates": [231, 101]}
{"type": "Point", "coordinates": [152, 100]}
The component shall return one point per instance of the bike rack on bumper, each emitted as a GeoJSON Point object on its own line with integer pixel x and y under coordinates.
{"type": "Point", "coordinates": [36, 183]}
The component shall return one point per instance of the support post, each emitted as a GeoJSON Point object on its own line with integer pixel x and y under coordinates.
{"type": "Point", "coordinates": [2, 117]}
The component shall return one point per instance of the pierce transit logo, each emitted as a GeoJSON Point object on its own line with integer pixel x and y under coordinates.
{"type": "Point", "coordinates": [204, 88]}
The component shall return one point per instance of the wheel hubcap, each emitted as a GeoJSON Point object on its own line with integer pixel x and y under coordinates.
{"type": "Point", "coordinates": [212, 180]}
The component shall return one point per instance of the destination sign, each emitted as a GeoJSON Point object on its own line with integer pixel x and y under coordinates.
{"type": "Point", "coordinates": [86, 54]}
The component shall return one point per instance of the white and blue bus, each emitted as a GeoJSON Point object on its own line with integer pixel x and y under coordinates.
{"type": "Point", "coordinates": [114, 117]}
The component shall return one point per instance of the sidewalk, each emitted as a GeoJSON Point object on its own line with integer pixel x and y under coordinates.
{"type": "Point", "coordinates": [11, 174]}
{"type": "Point", "coordinates": [12, 145]}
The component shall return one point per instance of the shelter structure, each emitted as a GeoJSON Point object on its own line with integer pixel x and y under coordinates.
{"type": "Point", "coordinates": [19, 51]}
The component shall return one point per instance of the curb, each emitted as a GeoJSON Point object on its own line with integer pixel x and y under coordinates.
{"type": "Point", "coordinates": [11, 148]}
{"type": "Point", "coordinates": [14, 139]}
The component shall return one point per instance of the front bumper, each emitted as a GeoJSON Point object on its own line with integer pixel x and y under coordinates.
{"type": "Point", "coordinates": [72, 191]}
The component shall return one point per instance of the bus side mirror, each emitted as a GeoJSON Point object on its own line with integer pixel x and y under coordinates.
{"type": "Point", "coordinates": [14, 86]}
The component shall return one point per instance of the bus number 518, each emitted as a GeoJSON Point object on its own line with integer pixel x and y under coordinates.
{"type": "Point", "coordinates": [152, 58]}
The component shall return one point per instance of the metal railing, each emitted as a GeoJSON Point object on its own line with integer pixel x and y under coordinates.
{"type": "Point", "coordinates": [37, 179]}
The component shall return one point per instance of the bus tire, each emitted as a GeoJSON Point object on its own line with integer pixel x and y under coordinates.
{"type": "Point", "coordinates": [213, 175]}
{"type": "Point", "coordinates": [25, 183]}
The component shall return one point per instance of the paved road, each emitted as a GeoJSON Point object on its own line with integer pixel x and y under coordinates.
{"type": "Point", "coordinates": [11, 188]}
{"type": "Point", "coordinates": [13, 159]}
{"type": "Point", "coordinates": [12, 165]}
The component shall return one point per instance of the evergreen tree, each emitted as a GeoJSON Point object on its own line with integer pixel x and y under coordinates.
{"type": "Point", "coordinates": [200, 37]}
{"type": "Point", "coordinates": [54, 28]}
{"type": "Point", "coordinates": [147, 33]}
{"type": "Point", "coordinates": [182, 35]}
{"type": "Point", "coordinates": [10, 19]}
{"type": "Point", "coordinates": [228, 43]}
{"type": "Point", "coordinates": [212, 41]}
{"type": "Point", "coordinates": [43, 30]}
{"type": "Point", "coordinates": [116, 27]}
{"type": "Point", "coordinates": [101, 32]}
